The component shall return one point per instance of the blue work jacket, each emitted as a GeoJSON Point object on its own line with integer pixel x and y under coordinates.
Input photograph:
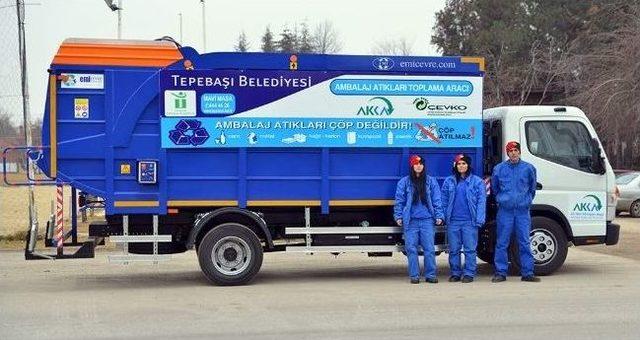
{"type": "Point", "coordinates": [476, 198]}
{"type": "Point", "coordinates": [404, 200]}
{"type": "Point", "coordinates": [514, 184]}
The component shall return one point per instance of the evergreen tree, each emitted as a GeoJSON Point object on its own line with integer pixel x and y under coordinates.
{"type": "Point", "coordinates": [268, 45]}
{"type": "Point", "coordinates": [288, 42]}
{"type": "Point", "coordinates": [243, 44]}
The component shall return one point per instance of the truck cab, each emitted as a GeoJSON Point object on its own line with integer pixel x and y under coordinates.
{"type": "Point", "coordinates": [575, 200]}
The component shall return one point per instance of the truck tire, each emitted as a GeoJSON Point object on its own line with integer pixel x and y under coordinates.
{"type": "Point", "coordinates": [634, 210]}
{"type": "Point", "coordinates": [230, 254]}
{"type": "Point", "coordinates": [549, 246]}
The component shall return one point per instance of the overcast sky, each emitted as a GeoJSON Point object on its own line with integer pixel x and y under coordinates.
{"type": "Point", "coordinates": [360, 23]}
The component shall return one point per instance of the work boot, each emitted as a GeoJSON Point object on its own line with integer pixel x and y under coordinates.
{"type": "Point", "coordinates": [467, 279]}
{"type": "Point", "coordinates": [415, 280]}
{"type": "Point", "coordinates": [530, 278]}
{"type": "Point", "coordinates": [454, 278]}
{"type": "Point", "coordinates": [498, 278]}
{"type": "Point", "coordinates": [431, 280]}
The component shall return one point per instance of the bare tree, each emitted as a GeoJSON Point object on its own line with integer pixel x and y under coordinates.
{"type": "Point", "coordinates": [7, 129]}
{"type": "Point", "coordinates": [399, 46]}
{"type": "Point", "coordinates": [304, 39]}
{"type": "Point", "coordinates": [602, 75]}
{"type": "Point", "coordinates": [325, 38]}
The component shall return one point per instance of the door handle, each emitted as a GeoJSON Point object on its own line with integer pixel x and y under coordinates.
{"type": "Point", "coordinates": [538, 186]}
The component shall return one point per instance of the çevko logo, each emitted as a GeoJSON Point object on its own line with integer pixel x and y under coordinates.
{"type": "Point", "coordinates": [422, 104]}
{"type": "Point", "coordinates": [378, 106]}
{"type": "Point", "coordinates": [589, 207]}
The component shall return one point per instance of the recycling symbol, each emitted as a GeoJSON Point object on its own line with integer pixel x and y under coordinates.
{"type": "Point", "coordinates": [189, 132]}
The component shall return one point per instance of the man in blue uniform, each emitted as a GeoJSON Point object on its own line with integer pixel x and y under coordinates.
{"type": "Point", "coordinates": [514, 185]}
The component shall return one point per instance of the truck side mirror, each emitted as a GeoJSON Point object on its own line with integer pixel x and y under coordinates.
{"type": "Point", "coordinates": [597, 161]}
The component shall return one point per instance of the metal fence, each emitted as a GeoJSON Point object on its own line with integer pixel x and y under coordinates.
{"type": "Point", "coordinates": [10, 84]}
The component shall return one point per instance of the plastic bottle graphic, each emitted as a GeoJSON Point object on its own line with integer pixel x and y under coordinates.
{"type": "Point", "coordinates": [390, 138]}
{"type": "Point", "coordinates": [222, 139]}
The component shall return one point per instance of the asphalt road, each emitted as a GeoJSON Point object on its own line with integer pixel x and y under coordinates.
{"type": "Point", "coordinates": [320, 296]}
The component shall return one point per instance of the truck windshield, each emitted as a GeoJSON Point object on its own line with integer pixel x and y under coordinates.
{"type": "Point", "coordinates": [566, 143]}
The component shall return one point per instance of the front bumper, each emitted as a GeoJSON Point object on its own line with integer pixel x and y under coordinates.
{"type": "Point", "coordinates": [610, 238]}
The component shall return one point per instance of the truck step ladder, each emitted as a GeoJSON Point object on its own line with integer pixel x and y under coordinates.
{"type": "Point", "coordinates": [125, 239]}
{"type": "Point", "coordinates": [55, 237]}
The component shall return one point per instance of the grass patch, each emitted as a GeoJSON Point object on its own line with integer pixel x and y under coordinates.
{"type": "Point", "coordinates": [18, 236]}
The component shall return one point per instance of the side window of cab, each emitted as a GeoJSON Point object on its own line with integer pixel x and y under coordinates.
{"type": "Point", "coordinates": [567, 143]}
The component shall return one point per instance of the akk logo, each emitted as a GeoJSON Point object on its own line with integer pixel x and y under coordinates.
{"type": "Point", "coordinates": [588, 203]}
{"type": "Point", "coordinates": [380, 106]}
{"type": "Point", "coordinates": [421, 103]}
{"type": "Point", "coordinates": [383, 63]}
{"type": "Point", "coordinates": [180, 103]}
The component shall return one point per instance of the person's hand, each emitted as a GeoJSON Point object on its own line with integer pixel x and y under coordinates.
{"type": "Point", "coordinates": [399, 222]}
{"type": "Point", "coordinates": [438, 221]}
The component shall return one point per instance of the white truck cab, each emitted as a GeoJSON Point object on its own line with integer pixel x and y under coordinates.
{"type": "Point", "coordinates": [575, 202]}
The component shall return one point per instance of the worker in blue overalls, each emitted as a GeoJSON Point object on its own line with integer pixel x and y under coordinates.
{"type": "Point", "coordinates": [417, 208]}
{"type": "Point", "coordinates": [464, 198]}
{"type": "Point", "coordinates": [514, 185]}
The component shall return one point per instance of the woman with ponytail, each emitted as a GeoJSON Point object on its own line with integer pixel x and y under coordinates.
{"type": "Point", "coordinates": [417, 208]}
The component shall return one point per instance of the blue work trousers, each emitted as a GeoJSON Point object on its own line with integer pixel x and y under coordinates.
{"type": "Point", "coordinates": [420, 232]}
{"type": "Point", "coordinates": [463, 235]}
{"type": "Point", "coordinates": [508, 220]}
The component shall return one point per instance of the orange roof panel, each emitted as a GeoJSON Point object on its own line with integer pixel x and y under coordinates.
{"type": "Point", "coordinates": [117, 53]}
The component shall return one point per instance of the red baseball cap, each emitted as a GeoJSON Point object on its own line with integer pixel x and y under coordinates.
{"type": "Point", "coordinates": [415, 159]}
{"type": "Point", "coordinates": [512, 145]}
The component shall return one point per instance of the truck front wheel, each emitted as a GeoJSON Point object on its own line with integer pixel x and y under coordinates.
{"type": "Point", "coordinates": [548, 243]}
{"type": "Point", "coordinates": [230, 254]}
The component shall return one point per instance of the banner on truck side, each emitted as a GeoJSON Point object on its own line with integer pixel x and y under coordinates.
{"type": "Point", "coordinates": [213, 108]}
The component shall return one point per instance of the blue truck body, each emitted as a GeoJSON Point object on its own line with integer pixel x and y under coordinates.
{"type": "Point", "coordinates": [99, 151]}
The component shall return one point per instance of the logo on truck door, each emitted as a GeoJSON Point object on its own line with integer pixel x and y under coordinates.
{"type": "Point", "coordinates": [589, 207]}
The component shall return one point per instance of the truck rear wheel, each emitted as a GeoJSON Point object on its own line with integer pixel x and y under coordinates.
{"type": "Point", "coordinates": [230, 254]}
{"type": "Point", "coordinates": [548, 243]}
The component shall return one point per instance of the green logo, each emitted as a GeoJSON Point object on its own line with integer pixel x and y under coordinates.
{"type": "Point", "coordinates": [180, 100]}
{"type": "Point", "coordinates": [421, 103]}
{"type": "Point", "coordinates": [588, 203]}
{"type": "Point", "coordinates": [380, 106]}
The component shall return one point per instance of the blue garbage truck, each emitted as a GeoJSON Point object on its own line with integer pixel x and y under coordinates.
{"type": "Point", "coordinates": [240, 154]}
